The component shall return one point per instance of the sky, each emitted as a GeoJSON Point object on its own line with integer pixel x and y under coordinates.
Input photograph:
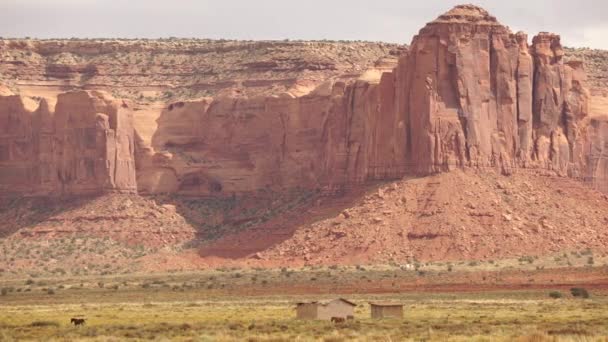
{"type": "Point", "coordinates": [582, 23]}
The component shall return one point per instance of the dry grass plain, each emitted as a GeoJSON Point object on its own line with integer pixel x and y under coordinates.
{"type": "Point", "coordinates": [257, 305]}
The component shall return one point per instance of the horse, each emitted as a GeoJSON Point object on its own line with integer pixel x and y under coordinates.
{"type": "Point", "coordinates": [78, 321]}
{"type": "Point", "coordinates": [338, 320]}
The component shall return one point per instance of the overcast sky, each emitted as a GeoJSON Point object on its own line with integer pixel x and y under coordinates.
{"type": "Point", "coordinates": [582, 23]}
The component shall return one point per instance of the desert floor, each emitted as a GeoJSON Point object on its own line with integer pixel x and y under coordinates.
{"type": "Point", "coordinates": [258, 305]}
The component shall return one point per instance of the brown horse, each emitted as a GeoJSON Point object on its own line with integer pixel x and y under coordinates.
{"type": "Point", "coordinates": [78, 321]}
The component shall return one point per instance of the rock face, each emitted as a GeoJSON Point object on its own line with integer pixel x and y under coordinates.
{"type": "Point", "coordinates": [596, 154]}
{"type": "Point", "coordinates": [477, 95]}
{"type": "Point", "coordinates": [340, 134]}
{"type": "Point", "coordinates": [468, 93]}
{"type": "Point", "coordinates": [84, 146]}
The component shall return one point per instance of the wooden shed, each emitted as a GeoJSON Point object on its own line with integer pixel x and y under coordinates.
{"type": "Point", "coordinates": [326, 310]}
{"type": "Point", "coordinates": [386, 310]}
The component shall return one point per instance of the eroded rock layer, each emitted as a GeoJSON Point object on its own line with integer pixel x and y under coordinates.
{"type": "Point", "coordinates": [340, 134]}
{"type": "Point", "coordinates": [468, 93]}
{"type": "Point", "coordinates": [84, 146]}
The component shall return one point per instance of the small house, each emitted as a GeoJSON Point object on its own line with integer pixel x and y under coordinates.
{"type": "Point", "coordinates": [326, 310]}
{"type": "Point", "coordinates": [386, 310]}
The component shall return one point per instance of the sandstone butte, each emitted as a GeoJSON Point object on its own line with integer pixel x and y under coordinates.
{"type": "Point", "coordinates": [467, 93]}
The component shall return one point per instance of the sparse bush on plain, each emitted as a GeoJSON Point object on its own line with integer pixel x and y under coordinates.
{"type": "Point", "coordinates": [555, 294]}
{"type": "Point", "coordinates": [579, 292]}
{"type": "Point", "coordinates": [526, 259]}
{"type": "Point", "coordinates": [44, 324]}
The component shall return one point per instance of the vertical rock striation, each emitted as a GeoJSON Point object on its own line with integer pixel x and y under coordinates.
{"type": "Point", "coordinates": [479, 96]}
{"type": "Point", "coordinates": [84, 147]}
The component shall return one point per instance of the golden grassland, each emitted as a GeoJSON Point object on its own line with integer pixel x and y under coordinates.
{"type": "Point", "coordinates": [220, 305]}
{"type": "Point", "coordinates": [427, 317]}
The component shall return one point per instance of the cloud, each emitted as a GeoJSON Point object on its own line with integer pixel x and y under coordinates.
{"type": "Point", "coordinates": [595, 37]}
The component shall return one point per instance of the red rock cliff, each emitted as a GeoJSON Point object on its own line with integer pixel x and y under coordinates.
{"type": "Point", "coordinates": [84, 146]}
{"type": "Point", "coordinates": [468, 93]}
{"type": "Point", "coordinates": [477, 95]}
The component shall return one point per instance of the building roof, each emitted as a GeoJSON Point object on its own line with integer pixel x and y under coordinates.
{"type": "Point", "coordinates": [385, 304]}
{"type": "Point", "coordinates": [326, 302]}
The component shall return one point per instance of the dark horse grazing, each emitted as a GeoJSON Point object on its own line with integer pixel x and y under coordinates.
{"type": "Point", "coordinates": [78, 321]}
{"type": "Point", "coordinates": [338, 320]}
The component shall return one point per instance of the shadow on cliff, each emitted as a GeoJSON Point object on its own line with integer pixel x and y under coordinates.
{"type": "Point", "coordinates": [19, 213]}
{"type": "Point", "coordinates": [257, 220]}
{"type": "Point", "coordinates": [220, 218]}
{"type": "Point", "coordinates": [246, 240]}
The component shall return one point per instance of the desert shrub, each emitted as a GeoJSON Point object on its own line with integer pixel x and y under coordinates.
{"type": "Point", "coordinates": [526, 259]}
{"type": "Point", "coordinates": [4, 291]}
{"type": "Point", "coordinates": [579, 292]}
{"type": "Point", "coordinates": [555, 294]}
{"type": "Point", "coordinates": [44, 324]}
{"type": "Point", "coordinates": [50, 291]}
